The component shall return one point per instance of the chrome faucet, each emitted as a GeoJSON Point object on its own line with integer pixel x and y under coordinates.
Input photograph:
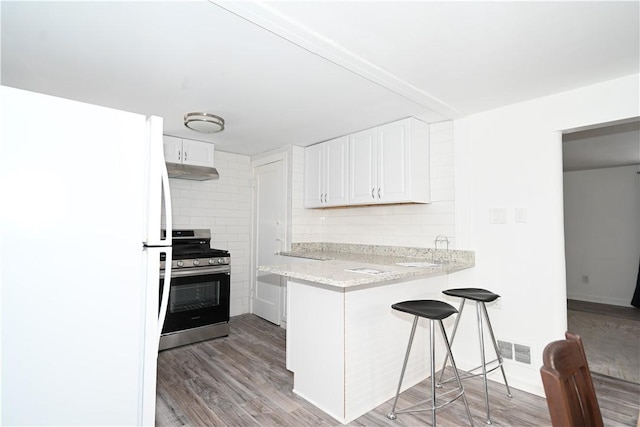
{"type": "Point", "coordinates": [441, 238]}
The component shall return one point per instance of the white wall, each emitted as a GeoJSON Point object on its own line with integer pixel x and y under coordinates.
{"type": "Point", "coordinates": [602, 233]}
{"type": "Point", "coordinates": [511, 158]}
{"type": "Point", "coordinates": [224, 207]}
{"type": "Point", "coordinates": [397, 225]}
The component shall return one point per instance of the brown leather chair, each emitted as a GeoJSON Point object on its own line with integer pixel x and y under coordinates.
{"type": "Point", "coordinates": [568, 386]}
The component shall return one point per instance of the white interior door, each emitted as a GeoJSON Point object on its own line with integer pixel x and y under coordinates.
{"type": "Point", "coordinates": [270, 217]}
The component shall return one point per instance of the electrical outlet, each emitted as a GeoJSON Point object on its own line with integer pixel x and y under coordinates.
{"type": "Point", "coordinates": [522, 353]}
{"type": "Point", "coordinates": [506, 349]}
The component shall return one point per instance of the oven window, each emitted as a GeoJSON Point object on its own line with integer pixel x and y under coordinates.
{"type": "Point", "coordinates": [197, 300]}
{"type": "Point", "coordinates": [194, 296]}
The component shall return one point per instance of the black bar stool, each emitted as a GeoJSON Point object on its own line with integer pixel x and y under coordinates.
{"type": "Point", "coordinates": [432, 310]}
{"type": "Point", "coordinates": [481, 296]}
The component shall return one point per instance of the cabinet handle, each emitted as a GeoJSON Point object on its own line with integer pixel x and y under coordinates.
{"type": "Point", "coordinates": [185, 156]}
{"type": "Point", "coordinates": [373, 196]}
{"type": "Point", "coordinates": [179, 155]}
{"type": "Point", "coordinates": [378, 193]}
{"type": "Point", "coordinates": [325, 197]}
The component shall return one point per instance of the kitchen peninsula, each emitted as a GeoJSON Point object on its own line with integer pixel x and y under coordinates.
{"type": "Point", "coordinates": [345, 345]}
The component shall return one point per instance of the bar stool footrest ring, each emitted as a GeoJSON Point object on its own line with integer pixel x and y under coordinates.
{"type": "Point", "coordinates": [443, 404]}
{"type": "Point", "coordinates": [468, 373]}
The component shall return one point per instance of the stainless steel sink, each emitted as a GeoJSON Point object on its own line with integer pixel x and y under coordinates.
{"type": "Point", "coordinates": [419, 264]}
{"type": "Point", "coordinates": [305, 256]}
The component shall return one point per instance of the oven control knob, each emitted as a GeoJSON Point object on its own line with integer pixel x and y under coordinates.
{"type": "Point", "coordinates": [196, 262]}
{"type": "Point", "coordinates": [212, 261]}
{"type": "Point", "coordinates": [220, 260]}
{"type": "Point", "coordinates": [180, 263]}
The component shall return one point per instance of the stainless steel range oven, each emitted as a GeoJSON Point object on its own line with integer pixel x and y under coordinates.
{"type": "Point", "coordinates": [198, 307]}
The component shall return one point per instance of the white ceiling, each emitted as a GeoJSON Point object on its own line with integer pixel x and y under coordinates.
{"type": "Point", "coordinates": [303, 72]}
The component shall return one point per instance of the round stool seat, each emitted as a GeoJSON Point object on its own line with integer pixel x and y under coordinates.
{"type": "Point", "coordinates": [475, 294]}
{"type": "Point", "coordinates": [431, 309]}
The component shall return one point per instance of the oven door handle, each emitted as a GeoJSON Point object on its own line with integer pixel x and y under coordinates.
{"type": "Point", "coordinates": [164, 299]}
{"type": "Point", "coordinates": [187, 272]}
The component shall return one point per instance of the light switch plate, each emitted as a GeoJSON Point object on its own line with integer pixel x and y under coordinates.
{"type": "Point", "coordinates": [497, 216]}
{"type": "Point", "coordinates": [521, 215]}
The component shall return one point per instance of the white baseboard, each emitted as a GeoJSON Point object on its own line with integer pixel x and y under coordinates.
{"type": "Point", "coordinates": [600, 299]}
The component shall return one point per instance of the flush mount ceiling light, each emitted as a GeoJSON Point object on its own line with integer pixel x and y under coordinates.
{"type": "Point", "coordinates": [204, 122]}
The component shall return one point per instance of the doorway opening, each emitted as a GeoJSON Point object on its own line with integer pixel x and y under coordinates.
{"type": "Point", "coordinates": [601, 168]}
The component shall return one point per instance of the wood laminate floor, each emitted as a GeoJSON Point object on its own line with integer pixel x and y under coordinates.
{"type": "Point", "coordinates": [241, 380]}
{"type": "Point", "coordinates": [631, 313]}
{"type": "Point", "coordinates": [611, 337]}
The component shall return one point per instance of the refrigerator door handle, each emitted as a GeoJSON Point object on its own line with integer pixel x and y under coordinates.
{"type": "Point", "coordinates": [168, 214]}
{"type": "Point", "coordinates": [158, 190]}
{"type": "Point", "coordinates": [164, 300]}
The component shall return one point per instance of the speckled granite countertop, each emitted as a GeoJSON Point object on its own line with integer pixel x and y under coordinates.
{"type": "Point", "coordinates": [333, 264]}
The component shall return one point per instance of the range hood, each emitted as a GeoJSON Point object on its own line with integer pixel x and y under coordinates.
{"type": "Point", "coordinates": [194, 173]}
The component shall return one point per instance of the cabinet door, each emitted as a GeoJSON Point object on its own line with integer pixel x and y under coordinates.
{"type": "Point", "coordinates": [362, 167]}
{"type": "Point", "coordinates": [336, 161]}
{"type": "Point", "coordinates": [197, 153]}
{"type": "Point", "coordinates": [313, 177]}
{"type": "Point", "coordinates": [394, 162]}
{"type": "Point", "coordinates": [172, 149]}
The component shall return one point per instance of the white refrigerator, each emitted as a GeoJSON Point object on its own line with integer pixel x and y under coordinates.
{"type": "Point", "coordinates": [83, 191]}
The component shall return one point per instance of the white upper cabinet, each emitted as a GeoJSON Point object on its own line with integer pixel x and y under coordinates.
{"type": "Point", "coordinates": [336, 176]}
{"type": "Point", "coordinates": [313, 176]}
{"type": "Point", "coordinates": [385, 164]}
{"type": "Point", "coordinates": [187, 151]}
{"type": "Point", "coordinates": [325, 177]}
{"type": "Point", "coordinates": [363, 181]}
{"type": "Point", "coordinates": [390, 164]}
{"type": "Point", "coordinates": [172, 149]}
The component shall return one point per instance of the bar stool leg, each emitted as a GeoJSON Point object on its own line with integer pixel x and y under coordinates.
{"type": "Point", "coordinates": [392, 415]}
{"type": "Point", "coordinates": [482, 359]}
{"type": "Point", "coordinates": [453, 336]}
{"type": "Point", "coordinates": [495, 345]}
{"type": "Point", "coordinates": [455, 372]}
{"type": "Point", "coordinates": [432, 357]}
